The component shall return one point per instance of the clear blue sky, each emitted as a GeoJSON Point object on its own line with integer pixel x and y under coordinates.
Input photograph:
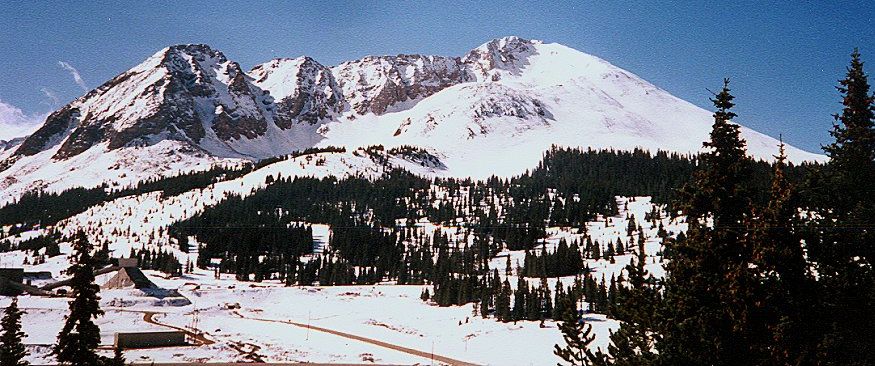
{"type": "Point", "coordinates": [784, 59]}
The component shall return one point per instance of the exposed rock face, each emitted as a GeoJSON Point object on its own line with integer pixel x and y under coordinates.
{"type": "Point", "coordinates": [374, 84]}
{"type": "Point", "coordinates": [188, 107]}
{"type": "Point", "coordinates": [8, 144]}
{"type": "Point", "coordinates": [244, 117]}
{"type": "Point", "coordinates": [506, 54]}
{"type": "Point", "coordinates": [174, 94]}
{"type": "Point", "coordinates": [191, 93]}
{"type": "Point", "coordinates": [302, 90]}
{"type": "Point", "coordinates": [57, 123]}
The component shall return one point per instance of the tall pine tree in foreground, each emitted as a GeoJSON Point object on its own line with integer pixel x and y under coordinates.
{"type": "Point", "coordinates": [12, 351]}
{"type": "Point", "coordinates": [843, 244]}
{"type": "Point", "coordinates": [79, 338]}
{"type": "Point", "coordinates": [704, 318]}
{"type": "Point", "coordinates": [577, 336]}
{"type": "Point", "coordinates": [785, 289]}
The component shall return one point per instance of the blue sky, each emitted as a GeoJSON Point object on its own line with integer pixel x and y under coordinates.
{"type": "Point", "coordinates": [784, 58]}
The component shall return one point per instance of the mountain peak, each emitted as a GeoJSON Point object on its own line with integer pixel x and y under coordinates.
{"type": "Point", "coordinates": [508, 96]}
{"type": "Point", "coordinates": [506, 54]}
{"type": "Point", "coordinates": [508, 43]}
{"type": "Point", "coordinates": [302, 89]}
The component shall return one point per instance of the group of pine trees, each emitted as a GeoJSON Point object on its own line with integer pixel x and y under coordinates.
{"type": "Point", "coordinates": [787, 281]}
{"type": "Point", "coordinates": [80, 336]}
{"type": "Point", "coordinates": [161, 260]}
{"type": "Point", "coordinates": [47, 208]}
{"type": "Point", "coordinates": [564, 261]}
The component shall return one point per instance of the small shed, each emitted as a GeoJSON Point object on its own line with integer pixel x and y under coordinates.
{"type": "Point", "coordinates": [134, 340]}
{"type": "Point", "coordinates": [129, 277]}
{"type": "Point", "coordinates": [40, 275]}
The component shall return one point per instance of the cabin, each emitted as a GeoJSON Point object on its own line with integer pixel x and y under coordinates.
{"type": "Point", "coordinates": [135, 340]}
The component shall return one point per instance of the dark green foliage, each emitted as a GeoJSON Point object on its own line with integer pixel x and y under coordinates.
{"type": "Point", "coordinates": [34, 208]}
{"type": "Point", "coordinates": [706, 307]}
{"type": "Point", "coordinates": [79, 338]}
{"type": "Point", "coordinates": [39, 208]}
{"type": "Point", "coordinates": [842, 240]}
{"type": "Point", "coordinates": [49, 241]}
{"type": "Point", "coordinates": [118, 358]}
{"type": "Point", "coordinates": [564, 261]}
{"type": "Point", "coordinates": [162, 261]}
{"type": "Point", "coordinates": [787, 332]}
{"type": "Point", "coordinates": [12, 351]}
{"type": "Point", "coordinates": [310, 151]}
{"type": "Point", "coordinates": [634, 342]}
{"type": "Point", "coordinates": [577, 336]}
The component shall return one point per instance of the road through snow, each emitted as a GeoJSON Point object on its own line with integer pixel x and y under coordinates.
{"type": "Point", "coordinates": [432, 356]}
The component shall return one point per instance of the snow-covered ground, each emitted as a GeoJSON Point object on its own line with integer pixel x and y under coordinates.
{"type": "Point", "coordinates": [247, 320]}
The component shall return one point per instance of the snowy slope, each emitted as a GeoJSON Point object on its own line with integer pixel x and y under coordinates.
{"type": "Point", "coordinates": [493, 111]}
{"type": "Point", "coordinates": [127, 221]}
{"type": "Point", "coordinates": [388, 313]}
{"type": "Point", "coordinates": [548, 94]}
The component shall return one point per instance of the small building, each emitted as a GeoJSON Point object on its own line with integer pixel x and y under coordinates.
{"type": "Point", "coordinates": [129, 277]}
{"type": "Point", "coordinates": [40, 275]}
{"type": "Point", "coordinates": [134, 340]}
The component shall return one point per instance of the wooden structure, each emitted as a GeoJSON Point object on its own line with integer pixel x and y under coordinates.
{"type": "Point", "coordinates": [134, 340]}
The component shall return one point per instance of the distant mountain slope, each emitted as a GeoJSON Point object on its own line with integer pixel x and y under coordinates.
{"type": "Point", "coordinates": [494, 110]}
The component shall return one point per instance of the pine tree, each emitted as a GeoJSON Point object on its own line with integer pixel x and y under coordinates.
{"type": "Point", "coordinates": [79, 338]}
{"type": "Point", "coordinates": [519, 299]}
{"type": "Point", "coordinates": [118, 358]}
{"type": "Point", "coordinates": [850, 168]}
{"type": "Point", "coordinates": [12, 351]}
{"type": "Point", "coordinates": [842, 244]}
{"type": "Point", "coordinates": [787, 335]}
{"type": "Point", "coordinates": [705, 318]}
{"type": "Point", "coordinates": [633, 342]}
{"type": "Point", "coordinates": [577, 336]}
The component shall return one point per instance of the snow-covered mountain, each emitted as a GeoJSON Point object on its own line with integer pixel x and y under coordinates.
{"type": "Point", "coordinates": [494, 110]}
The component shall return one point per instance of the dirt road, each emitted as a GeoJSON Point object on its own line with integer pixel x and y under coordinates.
{"type": "Point", "coordinates": [149, 317]}
{"type": "Point", "coordinates": [201, 340]}
{"type": "Point", "coordinates": [410, 351]}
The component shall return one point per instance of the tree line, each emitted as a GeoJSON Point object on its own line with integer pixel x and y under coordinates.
{"type": "Point", "coordinates": [787, 281]}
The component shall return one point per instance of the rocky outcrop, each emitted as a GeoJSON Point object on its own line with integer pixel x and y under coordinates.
{"type": "Point", "coordinates": [508, 54]}
{"type": "Point", "coordinates": [244, 117]}
{"type": "Point", "coordinates": [57, 123]}
{"type": "Point", "coordinates": [303, 91]}
{"type": "Point", "coordinates": [192, 92]}
{"type": "Point", "coordinates": [376, 83]}
{"type": "Point", "coordinates": [173, 94]}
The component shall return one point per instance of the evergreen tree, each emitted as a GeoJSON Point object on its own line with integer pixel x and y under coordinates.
{"type": "Point", "coordinates": [502, 303]}
{"type": "Point", "coordinates": [842, 244]}
{"type": "Point", "coordinates": [785, 288]}
{"type": "Point", "coordinates": [79, 338]}
{"type": "Point", "coordinates": [519, 299]}
{"type": "Point", "coordinates": [12, 351]}
{"type": "Point", "coordinates": [704, 321]}
{"type": "Point", "coordinates": [633, 343]}
{"type": "Point", "coordinates": [577, 336]}
{"type": "Point", "coordinates": [118, 358]}
{"type": "Point", "coordinates": [851, 168]}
